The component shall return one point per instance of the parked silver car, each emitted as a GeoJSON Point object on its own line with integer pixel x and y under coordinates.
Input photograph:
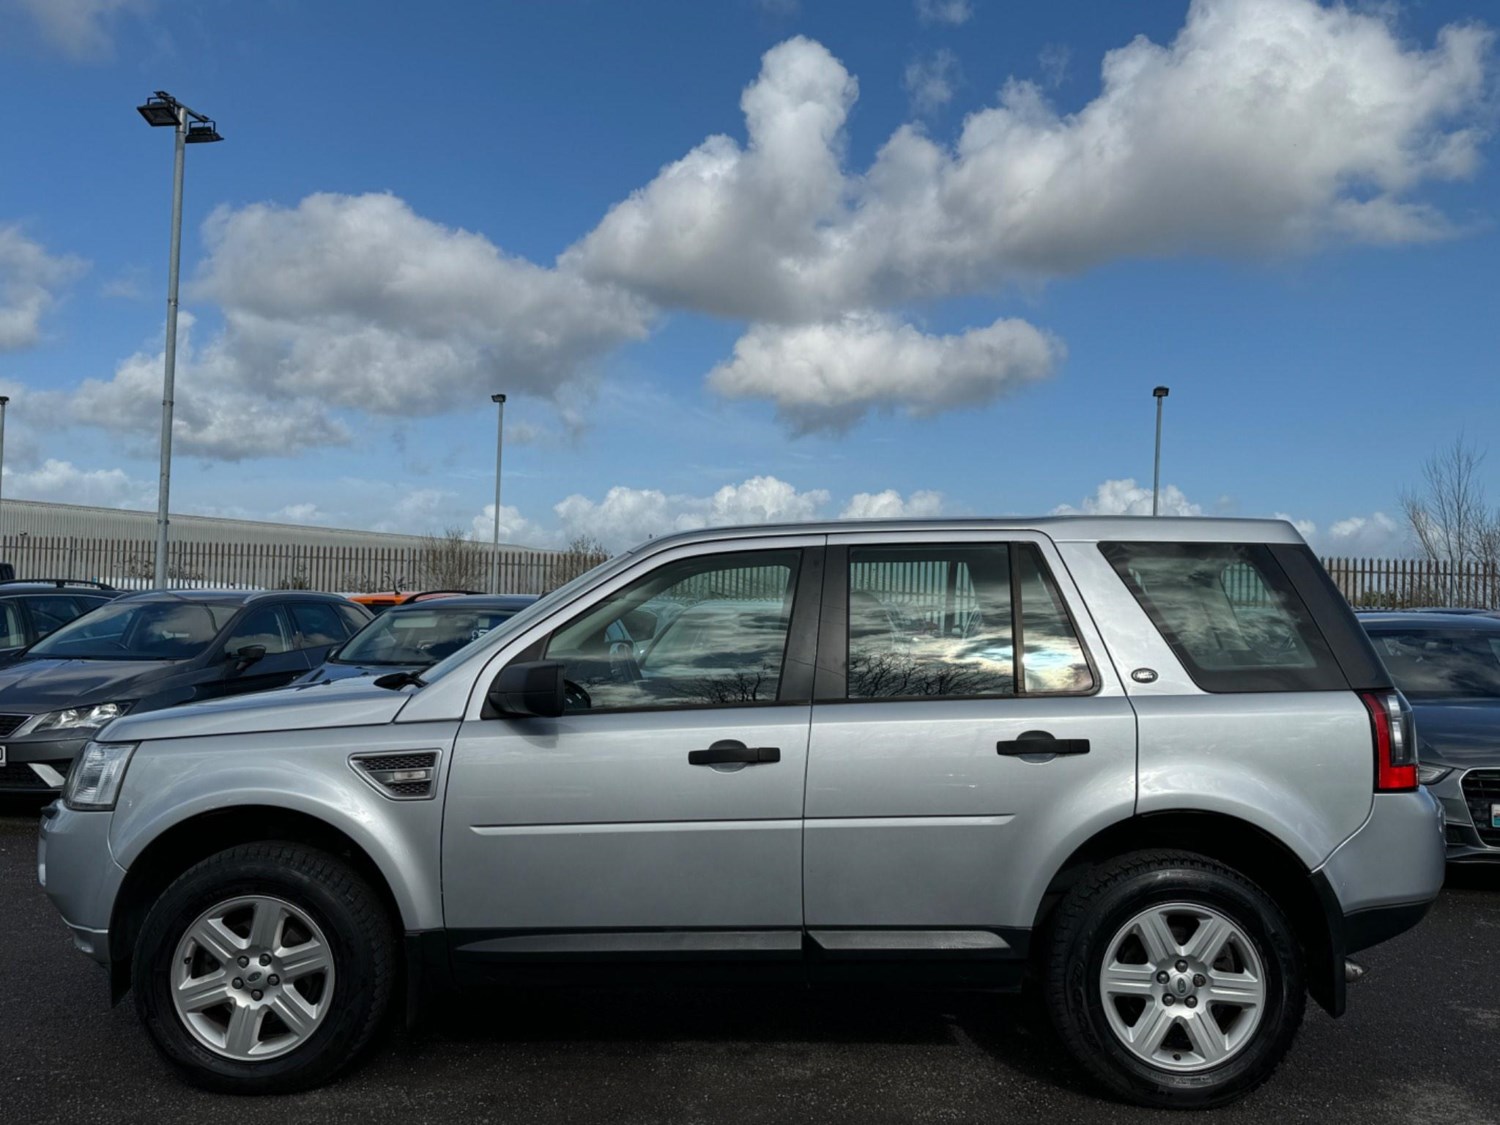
{"type": "Point", "coordinates": [1152, 764]}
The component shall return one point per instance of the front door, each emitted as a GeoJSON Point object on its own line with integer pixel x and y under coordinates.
{"type": "Point", "coordinates": [661, 814]}
{"type": "Point", "coordinates": [968, 731]}
{"type": "Point", "coordinates": [268, 627]}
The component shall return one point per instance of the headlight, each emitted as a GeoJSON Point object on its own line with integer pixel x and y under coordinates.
{"type": "Point", "coordinates": [94, 781]}
{"type": "Point", "coordinates": [74, 718]}
{"type": "Point", "coordinates": [1431, 775]}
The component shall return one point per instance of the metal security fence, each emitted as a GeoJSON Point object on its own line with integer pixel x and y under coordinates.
{"type": "Point", "coordinates": [129, 564]}
{"type": "Point", "coordinates": [1413, 583]}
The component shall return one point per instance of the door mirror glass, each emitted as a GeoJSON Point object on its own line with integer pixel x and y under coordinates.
{"type": "Point", "coordinates": [531, 688]}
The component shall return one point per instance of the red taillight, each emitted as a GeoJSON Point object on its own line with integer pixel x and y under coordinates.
{"type": "Point", "coordinates": [1395, 744]}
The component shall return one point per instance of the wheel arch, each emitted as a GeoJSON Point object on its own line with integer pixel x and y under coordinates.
{"type": "Point", "coordinates": [200, 836]}
{"type": "Point", "coordinates": [1247, 848]}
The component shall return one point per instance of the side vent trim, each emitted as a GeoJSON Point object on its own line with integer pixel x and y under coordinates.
{"type": "Point", "coordinates": [403, 775]}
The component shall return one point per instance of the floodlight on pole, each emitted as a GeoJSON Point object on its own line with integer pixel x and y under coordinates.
{"type": "Point", "coordinates": [1158, 393]}
{"type": "Point", "coordinates": [191, 127]}
{"type": "Point", "coordinates": [499, 401]}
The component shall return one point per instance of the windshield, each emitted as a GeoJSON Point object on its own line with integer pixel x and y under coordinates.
{"type": "Point", "coordinates": [1437, 663]}
{"type": "Point", "coordinates": [419, 636]}
{"type": "Point", "coordinates": [535, 610]}
{"type": "Point", "coordinates": [144, 630]}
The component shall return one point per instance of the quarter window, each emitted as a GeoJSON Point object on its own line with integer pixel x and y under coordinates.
{"type": "Point", "coordinates": [1230, 613]}
{"type": "Point", "coordinates": [700, 632]}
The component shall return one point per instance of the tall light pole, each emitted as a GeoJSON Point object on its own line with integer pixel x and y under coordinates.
{"type": "Point", "coordinates": [499, 401]}
{"type": "Point", "coordinates": [4, 402]}
{"type": "Point", "coordinates": [162, 109]}
{"type": "Point", "coordinates": [1159, 394]}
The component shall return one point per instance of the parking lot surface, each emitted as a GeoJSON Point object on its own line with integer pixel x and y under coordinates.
{"type": "Point", "coordinates": [1421, 1042]}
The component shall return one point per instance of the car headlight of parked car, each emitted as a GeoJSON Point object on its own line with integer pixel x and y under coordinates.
{"type": "Point", "coordinates": [94, 781]}
{"type": "Point", "coordinates": [74, 718]}
{"type": "Point", "coordinates": [1431, 775]}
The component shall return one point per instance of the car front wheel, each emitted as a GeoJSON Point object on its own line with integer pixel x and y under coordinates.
{"type": "Point", "coordinates": [264, 969]}
{"type": "Point", "coordinates": [1174, 980]}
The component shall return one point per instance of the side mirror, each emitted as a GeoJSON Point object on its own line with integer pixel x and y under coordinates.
{"type": "Point", "coordinates": [247, 655]}
{"type": "Point", "coordinates": [532, 688]}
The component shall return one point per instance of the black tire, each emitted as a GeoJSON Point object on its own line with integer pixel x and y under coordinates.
{"type": "Point", "coordinates": [1095, 910]}
{"type": "Point", "coordinates": [359, 934]}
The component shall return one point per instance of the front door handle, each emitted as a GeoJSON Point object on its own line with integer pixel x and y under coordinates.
{"type": "Point", "coordinates": [1040, 742]}
{"type": "Point", "coordinates": [731, 752]}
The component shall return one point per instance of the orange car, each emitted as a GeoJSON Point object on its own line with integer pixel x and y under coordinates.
{"type": "Point", "coordinates": [379, 603]}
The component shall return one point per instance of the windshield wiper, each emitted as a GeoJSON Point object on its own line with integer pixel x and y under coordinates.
{"type": "Point", "coordinates": [397, 680]}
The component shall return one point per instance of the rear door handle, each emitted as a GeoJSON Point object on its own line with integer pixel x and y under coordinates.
{"type": "Point", "coordinates": [1040, 742]}
{"type": "Point", "coordinates": [731, 752]}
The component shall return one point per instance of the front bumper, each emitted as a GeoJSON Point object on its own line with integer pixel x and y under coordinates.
{"type": "Point", "coordinates": [77, 870]}
{"type": "Point", "coordinates": [38, 766]}
{"type": "Point", "coordinates": [1460, 826]}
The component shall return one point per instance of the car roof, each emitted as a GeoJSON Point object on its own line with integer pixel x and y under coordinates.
{"type": "Point", "coordinates": [1432, 622]}
{"type": "Point", "coordinates": [230, 597]}
{"type": "Point", "coordinates": [55, 588]}
{"type": "Point", "coordinates": [456, 602]}
{"type": "Point", "coordinates": [1063, 529]}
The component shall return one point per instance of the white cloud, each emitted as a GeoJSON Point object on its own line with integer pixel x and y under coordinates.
{"type": "Point", "coordinates": [951, 12]}
{"type": "Point", "coordinates": [1266, 126]}
{"type": "Point", "coordinates": [891, 505]}
{"type": "Point", "coordinates": [827, 376]}
{"type": "Point", "coordinates": [515, 529]}
{"type": "Point", "coordinates": [1374, 536]}
{"type": "Point", "coordinates": [1126, 498]}
{"type": "Point", "coordinates": [356, 302]}
{"type": "Point", "coordinates": [30, 278]}
{"type": "Point", "coordinates": [218, 411]}
{"type": "Point", "coordinates": [65, 482]}
{"type": "Point", "coordinates": [628, 515]}
{"type": "Point", "coordinates": [930, 80]}
{"type": "Point", "coordinates": [79, 28]}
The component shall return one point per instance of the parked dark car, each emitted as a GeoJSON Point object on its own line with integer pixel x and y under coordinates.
{"type": "Point", "coordinates": [410, 637]}
{"type": "Point", "coordinates": [1448, 667]}
{"type": "Point", "coordinates": [32, 608]}
{"type": "Point", "coordinates": [146, 651]}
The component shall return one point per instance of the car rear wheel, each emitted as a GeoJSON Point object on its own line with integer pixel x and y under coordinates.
{"type": "Point", "coordinates": [1174, 980]}
{"type": "Point", "coordinates": [265, 969]}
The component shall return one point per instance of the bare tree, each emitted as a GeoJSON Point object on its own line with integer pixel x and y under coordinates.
{"type": "Point", "coordinates": [452, 561]}
{"type": "Point", "coordinates": [1451, 516]}
{"type": "Point", "coordinates": [583, 553]}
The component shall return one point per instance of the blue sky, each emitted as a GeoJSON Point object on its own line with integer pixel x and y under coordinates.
{"type": "Point", "coordinates": [937, 270]}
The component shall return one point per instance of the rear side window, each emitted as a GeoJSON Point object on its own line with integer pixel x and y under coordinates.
{"type": "Point", "coordinates": [1230, 614]}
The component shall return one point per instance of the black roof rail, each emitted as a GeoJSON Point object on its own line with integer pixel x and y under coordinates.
{"type": "Point", "coordinates": [58, 582]}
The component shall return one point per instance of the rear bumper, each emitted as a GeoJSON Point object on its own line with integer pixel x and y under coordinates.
{"type": "Point", "coordinates": [76, 869]}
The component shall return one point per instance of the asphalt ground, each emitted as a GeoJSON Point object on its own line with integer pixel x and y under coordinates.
{"type": "Point", "coordinates": [1421, 1043]}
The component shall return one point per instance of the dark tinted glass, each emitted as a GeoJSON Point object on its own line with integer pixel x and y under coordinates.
{"type": "Point", "coordinates": [51, 613]}
{"type": "Point", "coordinates": [1434, 663]}
{"type": "Point", "coordinates": [317, 624]}
{"type": "Point", "coordinates": [1230, 614]}
{"type": "Point", "coordinates": [701, 632]}
{"type": "Point", "coordinates": [265, 625]}
{"type": "Point", "coordinates": [12, 635]}
{"type": "Point", "coordinates": [138, 630]}
{"type": "Point", "coordinates": [355, 618]}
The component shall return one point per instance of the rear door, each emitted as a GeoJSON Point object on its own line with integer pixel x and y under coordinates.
{"type": "Point", "coordinates": [968, 733]}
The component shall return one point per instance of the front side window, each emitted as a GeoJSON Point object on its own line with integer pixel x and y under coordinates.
{"type": "Point", "coordinates": [709, 631]}
{"type": "Point", "coordinates": [1230, 614]}
{"type": "Point", "coordinates": [940, 621]}
{"type": "Point", "coordinates": [317, 624]}
{"type": "Point", "coordinates": [51, 613]}
{"type": "Point", "coordinates": [265, 625]}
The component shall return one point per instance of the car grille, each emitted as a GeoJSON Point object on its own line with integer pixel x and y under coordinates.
{"type": "Point", "coordinates": [9, 723]}
{"type": "Point", "coordinates": [1482, 790]}
{"type": "Point", "coordinates": [382, 770]}
{"type": "Point", "coordinates": [18, 775]}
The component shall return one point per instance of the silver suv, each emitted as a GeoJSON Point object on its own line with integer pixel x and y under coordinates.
{"type": "Point", "coordinates": [1152, 766]}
